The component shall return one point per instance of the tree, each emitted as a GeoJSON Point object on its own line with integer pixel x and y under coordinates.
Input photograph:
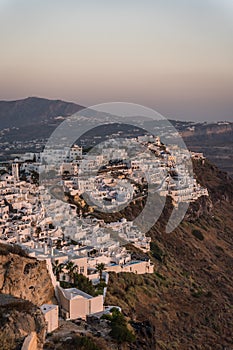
{"type": "Point", "coordinates": [100, 268]}
{"type": "Point", "coordinates": [119, 328]}
{"type": "Point", "coordinates": [83, 283]}
{"type": "Point", "coordinates": [72, 270]}
{"type": "Point", "coordinates": [57, 269]}
{"type": "Point", "coordinates": [38, 231]}
{"type": "Point", "coordinates": [34, 177]}
{"type": "Point", "coordinates": [58, 244]}
{"type": "Point", "coordinates": [23, 176]}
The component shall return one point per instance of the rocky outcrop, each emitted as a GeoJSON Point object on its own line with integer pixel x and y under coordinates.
{"type": "Point", "coordinates": [202, 206]}
{"type": "Point", "coordinates": [26, 278]}
{"type": "Point", "coordinates": [215, 141]}
{"type": "Point", "coordinates": [218, 183]}
{"type": "Point", "coordinates": [208, 129]}
{"type": "Point", "coordinates": [18, 319]}
{"type": "Point", "coordinates": [25, 284]}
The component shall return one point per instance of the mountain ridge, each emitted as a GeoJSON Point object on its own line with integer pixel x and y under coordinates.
{"type": "Point", "coordinates": [36, 118]}
{"type": "Point", "coordinates": [28, 111]}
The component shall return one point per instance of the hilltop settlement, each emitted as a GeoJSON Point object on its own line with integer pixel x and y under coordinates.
{"type": "Point", "coordinates": [48, 205]}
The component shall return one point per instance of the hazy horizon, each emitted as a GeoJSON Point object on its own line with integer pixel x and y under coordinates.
{"type": "Point", "coordinates": [172, 56]}
{"type": "Point", "coordinates": [82, 105]}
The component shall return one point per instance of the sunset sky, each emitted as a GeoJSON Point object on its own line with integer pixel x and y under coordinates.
{"type": "Point", "coordinates": [174, 56]}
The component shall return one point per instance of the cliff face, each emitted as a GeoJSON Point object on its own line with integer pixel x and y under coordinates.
{"type": "Point", "coordinates": [18, 318]}
{"type": "Point", "coordinates": [25, 278]}
{"type": "Point", "coordinates": [25, 285]}
{"type": "Point", "coordinates": [216, 141]}
{"type": "Point", "coordinates": [208, 129]}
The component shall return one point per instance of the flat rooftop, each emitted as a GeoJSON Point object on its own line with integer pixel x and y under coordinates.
{"type": "Point", "coordinates": [48, 307]}
{"type": "Point", "coordinates": [72, 293]}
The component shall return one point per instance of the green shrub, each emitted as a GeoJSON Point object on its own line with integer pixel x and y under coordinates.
{"type": "Point", "coordinates": [160, 276]}
{"type": "Point", "coordinates": [5, 249]}
{"type": "Point", "coordinates": [197, 293]}
{"type": "Point", "coordinates": [83, 283]}
{"type": "Point", "coordinates": [156, 251]}
{"type": "Point", "coordinates": [121, 333]}
{"type": "Point", "coordinates": [78, 342]}
{"type": "Point", "coordinates": [198, 234]}
{"type": "Point", "coordinates": [119, 330]}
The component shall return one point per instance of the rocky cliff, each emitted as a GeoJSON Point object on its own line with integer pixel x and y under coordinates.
{"type": "Point", "coordinates": [24, 277]}
{"type": "Point", "coordinates": [25, 285]}
{"type": "Point", "coordinates": [216, 141]}
{"type": "Point", "coordinates": [18, 318]}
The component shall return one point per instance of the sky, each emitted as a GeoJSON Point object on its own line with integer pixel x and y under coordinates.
{"type": "Point", "coordinates": [175, 56]}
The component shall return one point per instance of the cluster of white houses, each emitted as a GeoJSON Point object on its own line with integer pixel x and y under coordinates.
{"type": "Point", "coordinates": [136, 161]}
{"type": "Point", "coordinates": [23, 221]}
{"type": "Point", "coordinates": [87, 242]}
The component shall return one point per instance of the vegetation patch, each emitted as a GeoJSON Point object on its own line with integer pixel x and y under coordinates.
{"type": "Point", "coordinates": [119, 329]}
{"type": "Point", "coordinates": [197, 234]}
{"type": "Point", "coordinates": [83, 283]}
{"type": "Point", "coordinates": [6, 249]}
{"type": "Point", "coordinates": [72, 342]}
{"type": "Point", "coordinates": [156, 252]}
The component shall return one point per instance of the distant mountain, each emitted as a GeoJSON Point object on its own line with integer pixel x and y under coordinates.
{"type": "Point", "coordinates": [36, 118]}
{"type": "Point", "coordinates": [33, 111]}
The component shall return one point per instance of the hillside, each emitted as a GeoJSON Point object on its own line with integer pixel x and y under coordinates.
{"type": "Point", "coordinates": [33, 111]}
{"type": "Point", "coordinates": [187, 302]}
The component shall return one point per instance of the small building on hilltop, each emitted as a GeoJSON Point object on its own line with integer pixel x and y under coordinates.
{"type": "Point", "coordinates": [50, 312]}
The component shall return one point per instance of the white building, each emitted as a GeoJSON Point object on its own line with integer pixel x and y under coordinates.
{"type": "Point", "coordinates": [50, 312]}
{"type": "Point", "coordinates": [76, 304]}
{"type": "Point", "coordinates": [15, 171]}
{"type": "Point", "coordinates": [75, 153]}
